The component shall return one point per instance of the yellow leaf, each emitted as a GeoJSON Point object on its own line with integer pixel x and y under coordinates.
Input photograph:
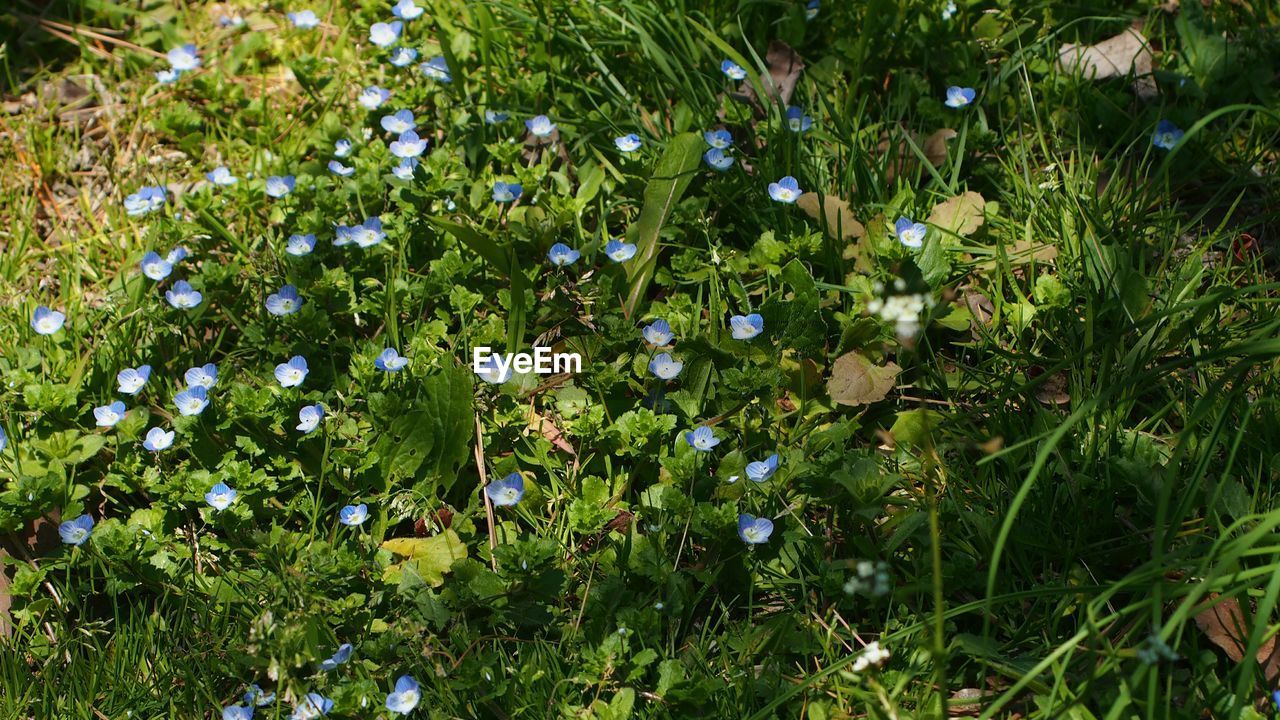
{"type": "Point", "coordinates": [431, 557]}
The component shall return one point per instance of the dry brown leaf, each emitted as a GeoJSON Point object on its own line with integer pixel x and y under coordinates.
{"type": "Point", "coordinates": [1054, 390]}
{"type": "Point", "coordinates": [548, 429]}
{"type": "Point", "coordinates": [960, 215]}
{"type": "Point", "coordinates": [1126, 54]}
{"type": "Point", "coordinates": [856, 381]}
{"type": "Point", "coordinates": [785, 67]}
{"type": "Point", "coordinates": [1023, 252]}
{"type": "Point", "coordinates": [903, 159]}
{"type": "Point", "coordinates": [840, 223]}
{"type": "Point", "coordinates": [1224, 625]}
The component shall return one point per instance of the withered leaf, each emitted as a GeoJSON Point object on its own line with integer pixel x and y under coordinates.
{"type": "Point", "coordinates": [960, 215]}
{"type": "Point", "coordinates": [839, 221]}
{"type": "Point", "coordinates": [1224, 625]}
{"type": "Point", "coordinates": [1126, 54]}
{"type": "Point", "coordinates": [785, 67]}
{"type": "Point", "coordinates": [856, 381]}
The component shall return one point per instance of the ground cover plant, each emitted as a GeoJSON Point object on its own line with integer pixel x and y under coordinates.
{"type": "Point", "coordinates": [928, 359]}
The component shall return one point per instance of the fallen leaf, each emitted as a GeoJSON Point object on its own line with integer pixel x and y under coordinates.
{"type": "Point", "coordinates": [548, 429]}
{"type": "Point", "coordinates": [856, 381]}
{"type": "Point", "coordinates": [784, 66]}
{"type": "Point", "coordinates": [1023, 252]}
{"type": "Point", "coordinates": [965, 701]}
{"type": "Point", "coordinates": [1119, 56]}
{"type": "Point", "coordinates": [1224, 625]}
{"type": "Point", "coordinates": [935, 146]}
{"type": "Point", "coordinates": [960, 215]}
{"type": "Point", "coordinates": [839, 221]}
{"type": "Point", "coordinates": [903, 159]}
{"type": "Point", "coordinates": [431, 557]}
{"type": "Point", "coordinates": [1126, 54]}
{"type": "Point", "coordinates": [1054, 390]}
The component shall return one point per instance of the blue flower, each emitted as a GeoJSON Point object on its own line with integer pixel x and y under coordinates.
{"type": "Point", "coordinates": [910, 233]}
{"type": "Point", "coordinates": [658, 333]}
{"type": "Point", "coordinates": [157, 439]}
{"type": "Point", "coordinates": [131, 380]}
{"type": "Point", "coordinates": [745, 327]}
{"type": "Point", "coordinates": [341, 656]}
{"type": "Point", "coordinates": [47, 322]}
{"type": "Point", "coordinates": [958, 97]}
{"type": "Point", "coordinates": [403, 56]}
{"type": "Point", "coordinates": [285, 302]}
{"type": "Point", "coordinates": [811, 9]}
{"type": "Point", "coordinates": [406, 10]}
{"type": "Point", "coordinates": [619, 251]}
{"type": "Point", "coordinates": [506, 492]}
{"type": "Point", "coordinates": [762, 470]}
{"type": "Point", "coordinates": [717, 160]}
{"type": "Point", "coordinates": [628, 143]}
{"type": "Point", "coordinates": [184, 58]}
{"type": "Point", "coordinates": [311, 706]}
{"type": "Point", "coordinates": [733, 70]}
{"type": "Point", "coordinates": [665, 367]}
{"type": "Point", "coordinates": [1167, 135]}
{"type": "Point", "coordinates": [1275, 697]}
{"type": "Point", "coordinates": [797, 121]}
{"type": "Point", "coordinates": [561, 255]}
{"type": "Point", "coordinates": [719, 139]}
{"type": "Point", "coordinates": [280, 185]}
{"type": "Point", "coordinates": [237, 712]}
{"type": "Point", "coordinates": [339, 169]}
{"type": "Point", "coordinates": [701, 439]}
{"type": "Point", "coordinates": [4, 439]}
{"type": "Point", "coordinates": [75, 532]}
{"type": "Point", "coordinates": [405, 697]}
{"type": "Point", "coordinates": [491, 372]}
{"type": "Point", "coordinates": [353, 515]}
{"type": "Point", "coordinates": [342, 148]}
{"type": "Point", "coordinates": [437, 68]}
{"type": "Point", "coordinates": [385, 34]}
{"type": "Point", "coordinates": [408, 145]}
{"type": "Point", "coordinates": [405, 169]}
{"type": "Point", "coordinates": [309, 418]}
{"type": "Point", "coordinates": [299, 245]}
{"type": "Point", "coordinates": [540, 125]}
{"type": "Point", "coordinates": [786, 190]}
{"type": "Point", "coordinates": [292, 373]}
{"type": "Point", "coordinates": [389, 360]}
{"type": "Point", "coordinates": [400, 121]}
{"type": "Point", "coordinates": [146, 200]}
{"type": "Point", "coordinates": [183, 296]}
{"type": "Point", "coordinates": [205, 376]}
{"type": "Point", "coordinates": [220, 496]}
{"type": "Point", "coordinates": [493, 117]}
{"type": "Point", "coordinates": [192, 401]}
{"type": "Point", "coordinates": [369, 232]}
{"type": "Point", "coordinates": [506, 192]}
{"type": "Point", "coordinates": [373, 96]}
{"type": "Point", "coordinates": [167, 76]}
{"type": "Point", "coordinates": [221, 176]}
{"type": "Point", "coordinates": [109, 415]}
{"type": "Point", "coordinates": [255, 696]}
{"type": "Point", "coordinates": [754, 530]}
{"type": "Point", "coordinates": [304, 19]}
{"type": "Point", "coordinates": [949, 10]}
{"type": "Point", "coordinates": [176, 255]}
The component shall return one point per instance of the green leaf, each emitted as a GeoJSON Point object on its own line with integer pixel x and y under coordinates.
{"type": "Point", "coordinates": [797, 320]}
{"type": "Point", "coordinates": [671, 177]}
{"type": "Point", "coordinates": [431, 438]}
{"type": "Point", "coordinates": [430, 557]}
{"type": "Point", "coordinates": [485, 247]}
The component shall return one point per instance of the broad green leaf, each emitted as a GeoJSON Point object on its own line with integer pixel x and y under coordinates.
{"type": "Point", "coordinates": [671, 177]}
{"type": "Point", "coordinates": [485, 247]}
{"type": "Point", "coordinates": [432, 437]}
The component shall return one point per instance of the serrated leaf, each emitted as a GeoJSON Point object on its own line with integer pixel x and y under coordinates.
{"type": "Point", "coordinates": [855, 380]}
